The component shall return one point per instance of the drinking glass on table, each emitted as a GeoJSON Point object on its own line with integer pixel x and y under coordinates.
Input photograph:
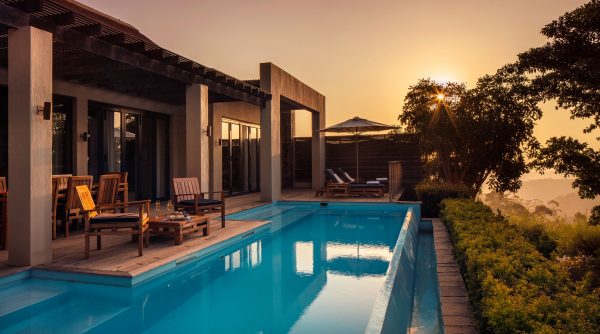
{"type": "Point", "coordinates": [157, 208]}
{"type": "Point", "coordinates": [169, 206]}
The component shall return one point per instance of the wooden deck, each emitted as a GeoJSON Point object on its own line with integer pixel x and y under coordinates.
{"type": "Point", "coordinates": [118, 256]}
{"type": "Point", "coordinates": [457, 315]}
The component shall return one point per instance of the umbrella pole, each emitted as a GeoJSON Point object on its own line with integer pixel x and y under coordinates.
{"type": "Point", "coordinates": [356, 150]}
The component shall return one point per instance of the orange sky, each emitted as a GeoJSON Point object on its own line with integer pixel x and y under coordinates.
{"type": "Point", "coordinates": [362, 55]}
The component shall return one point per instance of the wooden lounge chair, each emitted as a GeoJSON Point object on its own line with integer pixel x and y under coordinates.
{"type": "Point", "coordinates": [72, 211]}
{"type": "Point", "coordinates": [353, 188]}
{"type": "Point", "coordinates": [347, 178]}
{"type": "Point", "coordinates": [3, 212]}
{"type": "Point", "coordinates": [98, 222]}
{"type": "Point", "coordinates": [187, 196]}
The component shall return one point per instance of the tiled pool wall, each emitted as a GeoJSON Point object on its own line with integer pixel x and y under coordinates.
{"type": "Point", "coordinates": [393, 308]}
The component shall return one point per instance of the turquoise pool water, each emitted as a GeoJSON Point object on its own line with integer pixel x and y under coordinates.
{"type": "Point", "coordinates": [314, 270]}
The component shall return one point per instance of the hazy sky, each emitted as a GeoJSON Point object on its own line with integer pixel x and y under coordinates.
{"type": "Point", "coordinates": [362, 55]}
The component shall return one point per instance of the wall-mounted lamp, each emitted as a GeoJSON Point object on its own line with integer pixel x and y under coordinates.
{"type": "Point", "coordinates": [208, 131]}
{"type": "Point", "coordinates": [85, 136]}
{"type": "Point", "coordinates": [45, 110]}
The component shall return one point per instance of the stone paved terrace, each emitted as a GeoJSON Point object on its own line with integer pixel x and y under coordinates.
{"type": "Point", "coordinates": [457, 315]}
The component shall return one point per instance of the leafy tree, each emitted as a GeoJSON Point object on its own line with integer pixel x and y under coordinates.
{"type": "Point", "coordinates": [468, 136]}
{"type": "Point", "coordinates": [567, 69]}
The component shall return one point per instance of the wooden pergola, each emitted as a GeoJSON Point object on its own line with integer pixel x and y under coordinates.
{"type": "Point", "coordinates": [93, 48]}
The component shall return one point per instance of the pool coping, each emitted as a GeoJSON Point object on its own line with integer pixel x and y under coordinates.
{"type": "Point", "coordinates": [122, 278]}
{"type": "Point", "coordinates": [457, 314]}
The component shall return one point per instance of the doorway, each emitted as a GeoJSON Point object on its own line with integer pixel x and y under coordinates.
{"type": "Point", "coordinates": [240, 144]}
{"type": "Point", "coordinates": [132, 141]}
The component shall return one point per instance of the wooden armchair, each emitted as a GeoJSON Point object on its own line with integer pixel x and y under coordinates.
{"type": "Point", "coordinates": [98, 222]}
{"type": "Point", "coordinates": [55, 194]}
{"type": "Point", "coordinates": [3, 212]}
{"type": "Point", "coordinates": [187, 196]}
{"type": "Point", "coordinates": [107, 189]}
{"type": "Point", "coordinates": [72, 209]}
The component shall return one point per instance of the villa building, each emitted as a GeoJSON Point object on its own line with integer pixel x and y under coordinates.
{"type": "Point", "coordinates": [119, 102]}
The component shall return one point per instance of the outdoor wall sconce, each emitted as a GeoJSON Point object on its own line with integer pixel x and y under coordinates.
{"type": "Point", "coordinates": [85, 136]}
{"type": "Point", "coordinates": [208, 131]}
{"type": "Point", "coordinates": [45, 110]}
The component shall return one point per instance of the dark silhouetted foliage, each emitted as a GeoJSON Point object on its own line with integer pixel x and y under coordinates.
{"type": "Point", "coordinates": [477, 135]}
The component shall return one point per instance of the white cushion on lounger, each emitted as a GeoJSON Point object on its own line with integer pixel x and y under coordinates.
{"type": "Point", "coordinates": [372, 182]}
{"type": "Point", "coordinates": [381, 179]}
{"type": "Point", "coordinates": [337, 178]}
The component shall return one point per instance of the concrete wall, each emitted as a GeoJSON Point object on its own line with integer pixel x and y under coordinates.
{"type": "Point", "coordinates": [285, 87]}
{"type": "Point", "coordinates": [83, 94]}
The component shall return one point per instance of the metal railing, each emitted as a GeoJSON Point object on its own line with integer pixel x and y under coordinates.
{"type": "Point", "coordinates": [394, 179]}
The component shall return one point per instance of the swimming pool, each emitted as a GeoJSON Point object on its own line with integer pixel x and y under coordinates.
{"type": "Point", "coordinates": [315, 269]}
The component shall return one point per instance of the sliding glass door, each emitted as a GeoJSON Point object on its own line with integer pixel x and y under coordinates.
{"type": "Point", "coordinates": [132, 141]}
{"type": "Point", "coordinates": [240, 153]}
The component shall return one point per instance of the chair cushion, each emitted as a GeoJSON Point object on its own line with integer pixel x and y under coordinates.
{"type": "Point", "coordinates": [364, 185]}
{"type": "Point", "coordinates": [115, 218]}
{"type": "Point", "coordinates": [201, 202]}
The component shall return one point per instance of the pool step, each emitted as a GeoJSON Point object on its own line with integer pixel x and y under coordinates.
{"type": "Point", "coordinates": [34, 307]}
{"type": "Point", "coordinates": [26, 300]}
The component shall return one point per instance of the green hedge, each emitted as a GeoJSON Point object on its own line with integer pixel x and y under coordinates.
{"type": "Point", "coordinates": [514, 288]}
{"type": "Point", "coordinates": [431, 195]}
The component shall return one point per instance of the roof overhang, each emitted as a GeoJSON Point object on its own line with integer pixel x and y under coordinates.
{"type": "Point", "coordinates": [79, 29]}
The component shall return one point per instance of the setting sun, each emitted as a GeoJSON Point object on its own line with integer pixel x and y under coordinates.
{"type": "Point", "coordinates": [440, 97]}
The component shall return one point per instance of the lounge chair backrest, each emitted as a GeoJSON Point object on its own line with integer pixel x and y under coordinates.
{"type": "Point", "coordinates": [107, 189]}
{"type": "Point", "coordinates": [345, 175]}
{"type": "Point", "coordinates": [85, 198]}
{"type": "Point", "coordinates": [333, 177]}
{"type": "Point", "coordinates": [74, 181]}
{"type": "Point", "coordinates": [186, 186]}
{"type": "Point", "coordinates": [3, 186]}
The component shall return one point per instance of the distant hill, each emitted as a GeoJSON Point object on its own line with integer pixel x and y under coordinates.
{"type": "Point", "coordinates": [545, 189]}
{"type": "Point", "coordinates": [570, 204]}
{"type": "Point", "coordinates": [559, 190]}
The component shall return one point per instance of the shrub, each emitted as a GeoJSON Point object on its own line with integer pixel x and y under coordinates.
{"type": "Point", "coordinates": [432, 194]}
{"type": "Point", "coordinates": [514, 288]}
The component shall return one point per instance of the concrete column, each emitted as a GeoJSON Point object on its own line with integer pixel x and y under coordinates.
{"type": "Point", "coordinates": [29, 147]}
{"type": "Point", "coordinates": [177, 144]}
{"type": "Point", "coordinates": [270, 136]}
{"type": "Point", "coordinates": [318, 149]}
{"type": "Point", "coordinates": [196, 139]}
{"type": "Point", "coordinates": [216, 152]}
{"type": "Point", "coordinates": [80, 147]}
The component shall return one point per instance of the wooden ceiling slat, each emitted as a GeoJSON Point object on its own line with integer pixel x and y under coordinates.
{"type": "Point", "coordinates": [89, 29]}
{"type": "Point", "coordinates": [61, 19]}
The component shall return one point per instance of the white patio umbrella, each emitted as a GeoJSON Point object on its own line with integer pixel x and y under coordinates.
{"type": "Point", "coordinates": [357, 126]}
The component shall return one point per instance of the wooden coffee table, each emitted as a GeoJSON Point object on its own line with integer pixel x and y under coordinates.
{"type": "Point", "coordinates": [176, 228]}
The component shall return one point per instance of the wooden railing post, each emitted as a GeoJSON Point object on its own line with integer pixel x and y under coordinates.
{"type": "Point", "coordinates": [394, 179]}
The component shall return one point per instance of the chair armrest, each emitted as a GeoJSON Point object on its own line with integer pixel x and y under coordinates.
{"type": "Point", "coordinates": [123, 205]}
